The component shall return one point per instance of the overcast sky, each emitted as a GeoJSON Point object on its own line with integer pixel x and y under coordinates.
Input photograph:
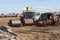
{"type": "Point", "coordinates": [9, 6]}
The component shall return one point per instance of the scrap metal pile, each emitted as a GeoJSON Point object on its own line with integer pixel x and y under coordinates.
{"type": "Point", "coordinates": [35, 18]}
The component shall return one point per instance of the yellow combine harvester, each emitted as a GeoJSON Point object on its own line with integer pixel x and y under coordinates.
{"type": "Point", "coordinates": [27, 18]}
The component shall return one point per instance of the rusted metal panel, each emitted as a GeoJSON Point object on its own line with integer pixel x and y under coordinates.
{"type": "Point", "coordinates": [16, 21]}
{"type": "Point", "coordinates": [28, 21]}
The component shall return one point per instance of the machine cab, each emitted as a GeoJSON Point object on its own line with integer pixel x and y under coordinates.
{"type": "Point", "coordinates": [28, 15]}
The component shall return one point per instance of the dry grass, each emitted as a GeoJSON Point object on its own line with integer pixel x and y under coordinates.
{"type": "Point", "coordinates": [4, 21]}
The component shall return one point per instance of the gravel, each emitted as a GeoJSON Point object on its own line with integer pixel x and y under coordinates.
{"type": "Point", "coordinates": [6, 35]}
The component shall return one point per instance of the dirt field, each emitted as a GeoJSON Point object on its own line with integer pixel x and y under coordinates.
{"type": "Point", "coordinates": [4, 21]}
{"type": "Point", "coordinates": [37, 33]}
{"type": "Point", "coordinates": [34, 33]}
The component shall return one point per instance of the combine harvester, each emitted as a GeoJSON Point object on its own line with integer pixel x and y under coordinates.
{"type": "Point", "coordinates": [45, 19]}
{"type": "Point", "coordinates": [26, 19]}
{"type": "Point", "coordinates": [48, 19]}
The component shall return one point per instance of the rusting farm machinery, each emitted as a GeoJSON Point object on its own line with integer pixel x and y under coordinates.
{"type": "Point", "coordinates": [48, 19]}
{"type": "Point", "coordinates": [14, 22]}
{"type": "Point", "coordinates": [33, 18]}
{"type": "Point", "coordinates": [26, 19]}
{"type": "Point", "coordinates": [45, 19]}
